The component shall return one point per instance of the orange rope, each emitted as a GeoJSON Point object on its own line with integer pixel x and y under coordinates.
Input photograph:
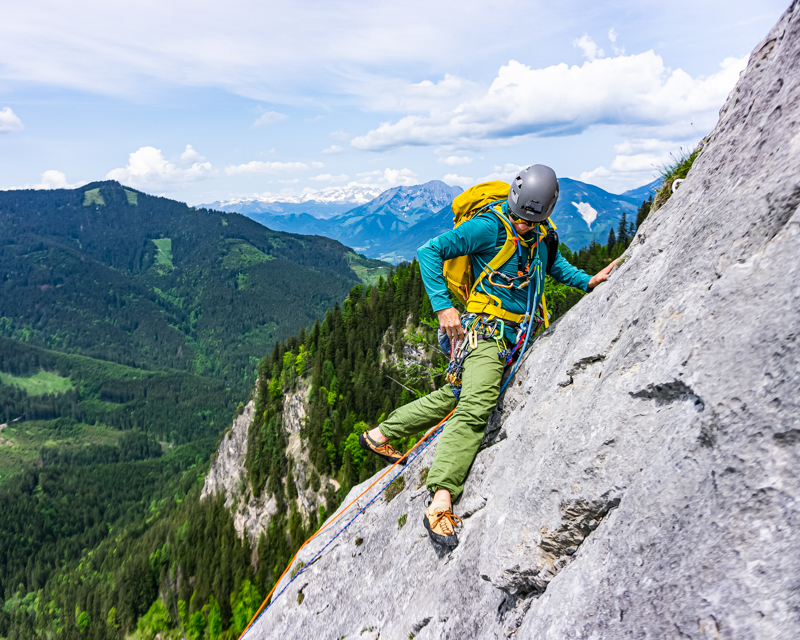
{"type": "Point", "coordinates": [336, 517]}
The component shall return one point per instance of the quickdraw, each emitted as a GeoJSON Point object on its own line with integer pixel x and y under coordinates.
{"type": "Point", "coordinates": [476, 327]}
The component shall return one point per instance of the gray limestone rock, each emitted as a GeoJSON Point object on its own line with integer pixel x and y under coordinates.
{"type": "Point", "coordinates": [641, 477]}
{"type": "Point", "coordinates": [227, 475]}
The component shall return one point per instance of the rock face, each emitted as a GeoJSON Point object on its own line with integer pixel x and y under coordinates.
{"type": "Point", "coordinates": [228, 476]}
{"type": "Point", "coordinates": [641, 478]}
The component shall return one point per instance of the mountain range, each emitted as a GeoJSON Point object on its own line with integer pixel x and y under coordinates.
{"type": "Point", "coordinates": [322, 204]}
{"type": "Point", "coordinates": [395, 223]}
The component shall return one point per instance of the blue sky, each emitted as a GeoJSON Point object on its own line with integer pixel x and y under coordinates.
{"type": "Point", "coordinates": [202, 101]}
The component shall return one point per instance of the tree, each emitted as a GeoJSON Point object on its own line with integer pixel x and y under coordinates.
{"type": "Point", "coordinates": [644, 210]}
{"type": "Point", "coordinates": [622, 230]}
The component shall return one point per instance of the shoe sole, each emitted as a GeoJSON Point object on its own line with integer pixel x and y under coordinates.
{"type": "Point", "coordinates": [451, 541]}
{"type": "Point", "coordinates": [364, 444]}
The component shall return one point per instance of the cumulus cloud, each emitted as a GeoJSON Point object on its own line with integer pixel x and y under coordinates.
{"type": "Point", "coordinates": [190, 156]}
{"type": "Point", "coordinates": [589, 47]}
{"type": "Point", "coordinates": [633, 90]}
{"type": "Point", "coordinates": [9, 121]}
{"type": "Point", "coordinates": [270, 117]}
{"type": "Point", "coordinates": [453, 161]}
{"type": "Point", "coordinates": [51, 179]}
{"type": "Point", "coordinates": [334, 148]}
{"type": "Point", "coordinates": [148, 169]}
{"type": "Point", "coordinates": [327, 177]}
{"type": "Point", "coordinates": [452, 178]}
{"type": "Point", "coordinates": [387, 178]}
{"type": "Point", "coordinates": [256, 167]}
{"type": "Point", "coordinates": [317, 165]}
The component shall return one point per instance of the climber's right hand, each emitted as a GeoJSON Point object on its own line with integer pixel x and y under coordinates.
{"type": "Point", "coordinates": [450, 323]}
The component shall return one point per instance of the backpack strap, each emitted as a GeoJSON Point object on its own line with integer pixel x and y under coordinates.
{"type": "Point", "coordinates": [551, 242]}
{"type": "Point", "coordinates": [483, 302]}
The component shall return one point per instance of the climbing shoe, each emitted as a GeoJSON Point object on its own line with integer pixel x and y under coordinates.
{"type": "Point", "coordinates": [441, 526]}
{"type": "Point", "coordinates": [385, 451]}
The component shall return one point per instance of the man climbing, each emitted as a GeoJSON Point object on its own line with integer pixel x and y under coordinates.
{"type": "Point", "coordinates": [508, 248]}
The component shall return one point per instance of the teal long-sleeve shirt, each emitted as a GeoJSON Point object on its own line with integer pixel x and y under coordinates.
{"type": "Point", "coordinates": [482, 238]}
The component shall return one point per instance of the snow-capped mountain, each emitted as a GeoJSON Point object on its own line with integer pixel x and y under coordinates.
{"type": "Point", "coordinates": [410, 203]}
{"type": "Point", "coordinates": [324, 203]}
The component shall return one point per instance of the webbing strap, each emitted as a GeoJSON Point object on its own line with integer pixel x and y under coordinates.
{"type": "Point", "coordinates": [508, 249]}
{"type": "Point", "coordinates": [480, 302]}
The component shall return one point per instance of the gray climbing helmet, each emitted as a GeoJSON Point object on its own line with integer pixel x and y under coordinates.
{"type": "Point", "coordinates": [534, 193]}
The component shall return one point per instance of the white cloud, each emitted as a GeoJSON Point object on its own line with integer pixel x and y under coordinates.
{"type": "Point", "coordinates": [9, 121]}
{"type": "Point", "coordinates": [148, 169]}
{"type": "Point", "coordinates": [453, 161]}
{"type": "Point", "coordinates": [256, 167]}
{"type": "Point", "coordinates": [589, 47]}
{"type": "Point", "coordinates": [613, 35]}
{"type": "Point", "coordinates": [334, 148]}
{"type": "Point", "coordinates": [190, 156]}
{"type": "Point", "coordinates": [317, 165]}
{"type": "Point", "coordinates": [53, 179]}
{"type": "Point", "coordinates": [387, 178]}
{"type": "Point", "coordinates": [327, 177]}
{"type": "Point", "coordinates": [634, 90]}
{"type": "Point", "coordinates": [452, 178]}
{"type": "Point", "coordinates": [270, 117]}
{"type": "Point", "coordinates": [595, 175]}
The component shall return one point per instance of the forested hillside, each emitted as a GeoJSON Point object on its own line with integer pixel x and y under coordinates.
{"type": "Point", "coordinates": [112, 273]}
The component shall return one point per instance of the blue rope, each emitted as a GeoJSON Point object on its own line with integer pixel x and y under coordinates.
{"type": "Point", "coordinates": [316, 556]}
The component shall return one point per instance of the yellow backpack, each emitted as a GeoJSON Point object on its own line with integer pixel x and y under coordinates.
{"type": "Point", "coordinates": [458, 271]}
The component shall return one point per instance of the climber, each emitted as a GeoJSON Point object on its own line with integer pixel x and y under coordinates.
{"type": "Point", "coordinates": [486, 332]}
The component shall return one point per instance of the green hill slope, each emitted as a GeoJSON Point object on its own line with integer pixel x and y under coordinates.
{"type": "Point", "coordinates": [116, 274]}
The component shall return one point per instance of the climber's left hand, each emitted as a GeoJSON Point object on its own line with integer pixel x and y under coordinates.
{"type": "Point", "coordinates": [601, 276]}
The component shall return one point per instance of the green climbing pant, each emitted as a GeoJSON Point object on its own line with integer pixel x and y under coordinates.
{"type": "Point", "coordinates": [462, 435]}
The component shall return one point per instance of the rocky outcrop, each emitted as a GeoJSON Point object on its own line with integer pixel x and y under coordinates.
{"type": "Point", "coordinates": [228, 475]}
{"type": "Point", "coordinates": [641, 477]}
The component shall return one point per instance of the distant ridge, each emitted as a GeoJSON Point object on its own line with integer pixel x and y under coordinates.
{"type": "Point", "coordinates": [325, 203]}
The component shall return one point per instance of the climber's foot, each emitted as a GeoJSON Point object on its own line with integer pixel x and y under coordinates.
{"type": "Point", "coordinates": [386, 451]}
{"type": "Point", "coordinates": [441, 526]}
